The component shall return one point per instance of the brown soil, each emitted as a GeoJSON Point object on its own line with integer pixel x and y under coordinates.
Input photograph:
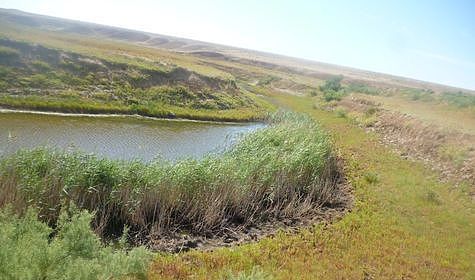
{"type": "Point", "coordinates": [234, 236]}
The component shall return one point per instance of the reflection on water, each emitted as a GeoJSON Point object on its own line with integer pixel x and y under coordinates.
{"type": "Point", "coordinates": [117, 137]}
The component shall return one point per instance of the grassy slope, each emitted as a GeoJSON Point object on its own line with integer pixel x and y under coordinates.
{"type": "Point", "coordinates": [405, 224]}
{"type": "Point", "coordinates": [135, 57]}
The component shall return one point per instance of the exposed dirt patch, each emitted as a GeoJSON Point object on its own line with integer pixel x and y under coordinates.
{"type": "Point", "coordinates": [177, 242]}
{"type": "Point", "coordinates": [338, 204]}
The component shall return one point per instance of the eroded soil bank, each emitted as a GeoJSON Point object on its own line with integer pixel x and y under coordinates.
{"type": "Point", "coordinates": [450, 152]}
{"type": "Point", "coordinates": [339, 203]}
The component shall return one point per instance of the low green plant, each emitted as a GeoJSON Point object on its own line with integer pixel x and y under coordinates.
{"type": "Point", "coordinates": [332, 84]}
{"type": "Point", "coordinates": [371, 111]}
{"type": "Point", "coordinates": [331, 95]}
{"type": "Point", "coordinates": [371, 177]}
{"type": "Point", "coordinates": [341, 113]}
{"type": "Point", "coordinates": [455, 154]}
{"type": "Point", "coordinates": [33, 250]}
{"type": "Point", "coordinates": [363, 88]}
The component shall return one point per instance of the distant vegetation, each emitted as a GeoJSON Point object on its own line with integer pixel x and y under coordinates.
{"type": "Point", "coordinates": [332, 89]}
{"type": "Point", "coordinates": [459, 99]}
{"type": "Point", "coordinates": [284, 171]}
{"type": "Point", "coordinates": [363, 88]}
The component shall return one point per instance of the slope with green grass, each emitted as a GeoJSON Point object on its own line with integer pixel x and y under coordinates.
{"type": "Point", "coordinates": [52, 77]}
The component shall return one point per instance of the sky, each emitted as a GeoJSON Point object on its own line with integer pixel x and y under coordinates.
{"type": "Point", "coordinates": [426, 40]}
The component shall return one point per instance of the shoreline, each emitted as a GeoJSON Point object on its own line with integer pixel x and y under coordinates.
{"type": "Point", "coordinates": [135, 116]}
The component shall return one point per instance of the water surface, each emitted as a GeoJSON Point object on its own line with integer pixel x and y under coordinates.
{"type": "Point", "coordinates": [118, 137]}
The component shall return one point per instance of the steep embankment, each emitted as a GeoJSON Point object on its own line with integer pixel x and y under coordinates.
{"type": "Point", "coordinates": [43, 78]}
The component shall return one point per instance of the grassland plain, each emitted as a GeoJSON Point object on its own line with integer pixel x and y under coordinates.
{"type": "Point", "coordinates": [406, 224]}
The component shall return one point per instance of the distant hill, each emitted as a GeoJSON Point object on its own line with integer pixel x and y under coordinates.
{"type": "Point", "coordinates": [216, 51]}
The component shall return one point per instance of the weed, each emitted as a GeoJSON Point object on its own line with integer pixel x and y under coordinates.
{"type": "Point", "coordinates": [341, 113]}
{"type": "Point", "coordinates": [371, 177]}
{"type": "Point", "coordinates": [433, 197]}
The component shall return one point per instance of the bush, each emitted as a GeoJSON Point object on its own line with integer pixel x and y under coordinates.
{"type": "Point", "coordinates": [333, 84]}
{"type": "Point", "coordinates": [331, 95]}
{"type": "Point", "coordinates": [341, 113]}
{"type": "Point", "coordinates": [74, 251]}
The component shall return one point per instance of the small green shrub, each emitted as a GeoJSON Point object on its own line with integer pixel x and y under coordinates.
{"type": "Point", "coordinates": [433, 197]}
{"type": "Point", "coordinates": [73, 251]}
{"type": "Point", "coordinates": [371, 178]}
{"type": "Point", "coordinates": [331, 95]}
{"type": "Point", "coordinates": [313, 92]}
{"type": "Point", "coordinates": [332, 84]}
{"type": "Point", "coordinates": [416, 94]}
{"type": "Point", "coordinates": [371, 111]}
{"type": "Point", "coordinates": [341, 113]}
{"type": "Point", "coordinates": [455, 154]}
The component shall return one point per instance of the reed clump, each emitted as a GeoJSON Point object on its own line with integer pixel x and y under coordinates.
{"type": "Point", "coordinates": [286, 170]}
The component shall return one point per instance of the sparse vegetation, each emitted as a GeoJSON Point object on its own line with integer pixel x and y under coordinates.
{"type": "Point", "coordinates": [459, 99]}
{"type": "Point", "coordinates": [363, 88]}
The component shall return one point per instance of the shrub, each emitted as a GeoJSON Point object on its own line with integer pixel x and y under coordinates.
{"type": "Point", "coordinates": [331, 95]}
{"type": "Point", "coordinates": [341, 113]}
{"type": "Point", "coordinates": [74, 251]}
{"type": "Point", "coordinates": [333, 84]}
{"type": "Point", "coordinates": [256, 273]}
{"type": "Point", "coordinates": [371, 178]}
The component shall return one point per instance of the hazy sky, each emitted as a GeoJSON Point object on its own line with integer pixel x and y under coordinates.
{"type": "Point", "coordinates": [427, 40]}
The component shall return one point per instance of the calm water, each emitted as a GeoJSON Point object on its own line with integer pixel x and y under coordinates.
{"type": "Point", "coordinates": [118, 137]}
